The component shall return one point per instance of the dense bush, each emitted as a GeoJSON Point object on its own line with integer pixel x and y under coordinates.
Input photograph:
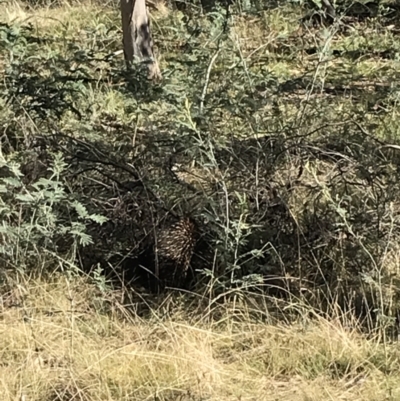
{"type": "Point", "coordinates": [289, 167]}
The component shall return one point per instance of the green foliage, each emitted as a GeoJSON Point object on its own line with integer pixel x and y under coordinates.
{"type": "Point", "coordinates": [40, 219]}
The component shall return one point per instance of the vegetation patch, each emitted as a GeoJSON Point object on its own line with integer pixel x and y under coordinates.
{"type": "Point", "coordinates": [262, 172]}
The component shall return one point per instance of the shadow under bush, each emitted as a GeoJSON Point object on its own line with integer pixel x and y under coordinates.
{"type": "Point", "coordinates": [317, 219]}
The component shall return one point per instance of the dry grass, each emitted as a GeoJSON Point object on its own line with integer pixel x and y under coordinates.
{"type": "Point", "coordinates": [46, 18]}
{"type": "Point", "coordinates": [65, 341]}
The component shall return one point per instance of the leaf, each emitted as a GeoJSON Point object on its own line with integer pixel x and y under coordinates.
{"type": "Point", "coordinates": [97, 218]}
{"type": "Point", "coordinates": [28, 198]}
{"type": "Point", "coordinates": [12, 182]}
{"type": "Point", "coordinates": [80, 209]}
{"type": "Point", "coordinates": [84, 239]}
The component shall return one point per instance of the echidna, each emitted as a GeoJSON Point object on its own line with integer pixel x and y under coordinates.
{"type": "Point", "coordinates": [174, 248]}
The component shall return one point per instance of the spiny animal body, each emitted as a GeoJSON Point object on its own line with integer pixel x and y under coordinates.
{"type": "Point", "coordinates": [174, 249]}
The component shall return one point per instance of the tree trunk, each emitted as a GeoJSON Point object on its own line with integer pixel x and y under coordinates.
{"type": "Point", "coordinates": [137, 39]}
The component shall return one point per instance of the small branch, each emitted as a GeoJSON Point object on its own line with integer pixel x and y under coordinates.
{"type": "Point", "coordinates": [203, 95]}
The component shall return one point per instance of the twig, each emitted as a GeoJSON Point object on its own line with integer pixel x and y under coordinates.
{"type": "Point", "coordinates": [203, 95]}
